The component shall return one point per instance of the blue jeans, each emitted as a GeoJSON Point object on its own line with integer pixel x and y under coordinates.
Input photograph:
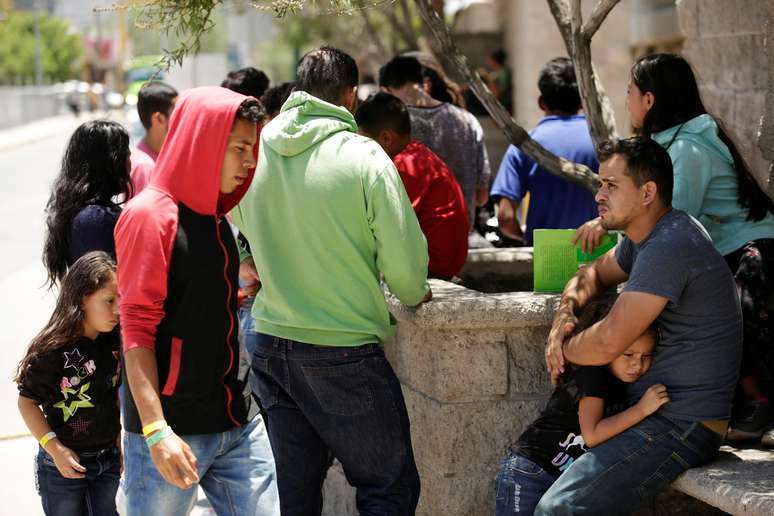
{"type": "Point", "coordinates": [343, 402]}
{"type": "Point", "coordinates": [621, 474]}
{"type": "Point", "coordinates": [247, 323]}
{"type": "Point", "coordinates": [93, 495]}
{"type": "Point", "coordinates": [236, 472]}
{"type": "Point", "coordinates": [519, 486]}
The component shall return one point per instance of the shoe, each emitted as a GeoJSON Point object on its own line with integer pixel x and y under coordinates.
{"type": "Point", "coordinates": [750, 423]}
{"type": "Point", "coordinates": [768, 437]}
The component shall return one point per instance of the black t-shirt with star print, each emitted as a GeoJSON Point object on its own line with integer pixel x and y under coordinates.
{"type": "Point", "coordinates": [77, 387]}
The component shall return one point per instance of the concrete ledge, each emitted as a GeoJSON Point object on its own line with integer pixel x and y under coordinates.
{"type": "Point", "coordinates": [737, 482]}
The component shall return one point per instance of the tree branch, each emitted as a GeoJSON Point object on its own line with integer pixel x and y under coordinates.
{"type": "Point", "coordinates": [561, 167]}
{"type": "Point", "coordinates": [598, 15]}
{"type": "Point", "coordinates": [404, 30]}
{"type": "Point", "coordinates": [596, 104]}
{"type": "Point", "coordinates": [377, 39]}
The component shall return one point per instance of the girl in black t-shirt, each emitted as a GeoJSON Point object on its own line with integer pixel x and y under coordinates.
{"type": "Point", "coordinates": [68, 393]}
{"type": "Point", "coordinates": [587, 408]}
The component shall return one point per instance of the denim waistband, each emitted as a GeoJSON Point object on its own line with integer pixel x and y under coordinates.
{"type": "Point", "coordinates": [269, 345]}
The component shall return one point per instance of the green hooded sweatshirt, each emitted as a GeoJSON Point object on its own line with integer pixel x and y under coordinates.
{"type": "Point", "coordinates": [325, 214]}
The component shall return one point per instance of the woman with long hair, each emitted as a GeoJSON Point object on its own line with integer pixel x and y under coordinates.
{"type": "Point", "coordinates": [85, 198]}
{"type": "Point", "coordinates": [713, 183]}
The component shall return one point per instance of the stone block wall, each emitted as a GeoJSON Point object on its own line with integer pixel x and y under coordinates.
{"type": "Point", "coordinates": [473, 375]}
{"type": "Point", "coordinates": [725, 40]}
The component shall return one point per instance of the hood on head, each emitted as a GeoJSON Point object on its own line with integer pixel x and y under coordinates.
{"type": "Point", "coordinates": [190, 162]}
{"type": "Point", "coordinates": [303, 122]}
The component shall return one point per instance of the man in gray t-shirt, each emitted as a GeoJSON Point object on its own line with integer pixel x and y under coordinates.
{"type": "Point", "coordinates": [677, 280]}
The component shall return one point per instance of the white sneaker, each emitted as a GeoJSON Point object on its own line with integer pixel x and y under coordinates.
{"type": "Point", "coordinates": [768, 437]}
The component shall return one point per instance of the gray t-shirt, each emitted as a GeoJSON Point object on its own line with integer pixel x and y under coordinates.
{"type": "Point", "coordinates": [457, 138]}
{"type": "Point", "coordinates": [700, 330]}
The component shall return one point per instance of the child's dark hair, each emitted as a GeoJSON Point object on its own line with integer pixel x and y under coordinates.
{"type": "Point", "coordinates": [154, 97]}
{"type": "Point", "coordinates": [88, 274]}
{"type": "Point", "coordinates": [399, 71]}
{"type": "Point", "coordinates": [251, 110]}
{"type": "Point", "coordinates": [559, 87]}
{"type": "Point", "coordinates": [671, 80]}
{"type": "Point", "coordinates": [248, 81]}
{"type": "Point", "coordinates": [95, 169]}
{"type": "Point", "coordinates": [383, 111]}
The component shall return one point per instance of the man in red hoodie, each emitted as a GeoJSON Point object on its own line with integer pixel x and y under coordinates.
{"type": "Point", "coordinates": [188, 414]}
{"type": "Point", "coordinates": [434, 192]}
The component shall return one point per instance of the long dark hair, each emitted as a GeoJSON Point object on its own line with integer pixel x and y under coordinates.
{"type": "Point", "coordinates": [89, 273]}
{"type": "Point", "coordinates": [671, 80]}
{"type": "Point", "coordinates": [94, 171]}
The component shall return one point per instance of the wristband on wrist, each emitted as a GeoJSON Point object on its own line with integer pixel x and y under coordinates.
{"type": "Point", "coordinates": [159, 436]}
{"type": "Point", "coordinates": [46, 438]}
{"type": "Point", "coordinates": [152, 427]}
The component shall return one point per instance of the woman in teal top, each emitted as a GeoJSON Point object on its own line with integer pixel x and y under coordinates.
{"type": "Point", "coordinates": [714, 184]}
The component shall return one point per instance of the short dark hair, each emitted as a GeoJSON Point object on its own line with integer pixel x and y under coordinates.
{"type": "Point", "coordinates": [383, 111]}
{"type": "Point", "coordinates": [499, 56]}
{"type": "Point", "coordinates": [559, 87]}
{"type": "Point", "coordinates": [251, 110]}
{"type": "Point", "coordinates": [326, 73]}
{"type": "Point", "coordinates": [275, 97]}
{"type": "Point", "coordinates": [399, 71]}
{"type": "Point", "coordinates": [646, 160]}
{"type": "Point", "coordinates": [154, 97]}
{"type": "Point", "coordinates": [247, 81]}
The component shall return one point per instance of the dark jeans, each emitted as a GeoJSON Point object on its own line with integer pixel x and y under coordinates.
{"type": "Point", "coordinates": [342, 402]}
{"type": "Point", "coordinates": [621, 474]}
{"type": "Point", "coordinates": [93, 495]}
{"type": "Point", "coordinates": [520, 485]}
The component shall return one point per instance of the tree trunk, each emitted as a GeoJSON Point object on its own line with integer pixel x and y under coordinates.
{"type": "Point", "coordinates": [577, 40]}
{"type": "Point", "coordinates": [577, 173]}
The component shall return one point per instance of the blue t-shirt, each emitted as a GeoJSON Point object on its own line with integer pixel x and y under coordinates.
{"type": "Point", "coordinates": [555, 203]}
{"type": "Point", "coordinates": [699, 350]}
{"type": "Point", "coordinates": [92, 230]}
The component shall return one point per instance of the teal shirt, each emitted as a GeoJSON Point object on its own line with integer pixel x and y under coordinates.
{"type": "Point", "coordinates": [326, 213]}
{"type": "Point", "coordinates": [706, 186]}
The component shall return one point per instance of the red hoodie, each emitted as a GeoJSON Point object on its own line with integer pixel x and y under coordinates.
{"type": "Point", "coordinates": [178, 272]}
{"type": "Point", "coordinates": [440, 207]}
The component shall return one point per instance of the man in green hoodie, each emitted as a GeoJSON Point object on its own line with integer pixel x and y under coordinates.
{"type": "Point", "coordinates": [325, 215]}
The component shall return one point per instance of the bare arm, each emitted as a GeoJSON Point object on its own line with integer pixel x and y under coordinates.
{"type": "Point", "coordinates": [507, 219]}
{"type": "Point", "coordinates": [588, 283]}
{"type": "Point", "coordinates": [596, 429]}
{"type": "Point", "coordinates": [601, 343]}
{"type": "Point", "coordinates": [66, 460]}
{"type": "Point", "coordinates": [172, 456]}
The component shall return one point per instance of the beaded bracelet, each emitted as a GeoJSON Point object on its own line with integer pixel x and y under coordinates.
{"type": "Point", "coordinates": [159, 436]}
{"type": "Point", "coordinates": [44, 440]}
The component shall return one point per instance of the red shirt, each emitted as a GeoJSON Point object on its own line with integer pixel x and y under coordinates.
{"type": "Point", "coordinates": [440, 207]}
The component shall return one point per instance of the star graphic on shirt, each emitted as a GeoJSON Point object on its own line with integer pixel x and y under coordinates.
{"type": "Point", "coordinates": [73, 359]}
{"type": "Point", "coordinates": [80, 426]}
{"type": "Point", "coordinates": [83, 401]}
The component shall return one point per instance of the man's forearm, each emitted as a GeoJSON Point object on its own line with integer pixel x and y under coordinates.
{"type": "Point", "coordinates": [143, 376]}
{"type": "Point", "coordinates": [581, 288]}
{"type": "Point", "coordinates": [589, 347]}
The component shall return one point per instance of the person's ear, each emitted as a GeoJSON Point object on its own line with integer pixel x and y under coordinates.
{"type": "Point", "coordinates": [650, 192]}
{"type": "Point", "coordinates": [648, 99]}
{"type": "Point", "coordinates": [385, 139]}
{"type": "Point", "coordinates": [427, 85]}
{"type": "Point", "coordinates": [158, 119]}
{"type": "Point", "coordinates": [542, 104]}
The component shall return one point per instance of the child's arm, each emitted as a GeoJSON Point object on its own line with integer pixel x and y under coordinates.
{"type": "Point", "coordinates": [596, 429]}
{"type": "Point", "coordinates": [65, 459]}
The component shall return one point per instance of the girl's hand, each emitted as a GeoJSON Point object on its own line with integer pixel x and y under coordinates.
{"type": "Point", "coordinates": [654, 397]}
{"type": "Point", "coordinates": [66, 460]}
{"type": "Point", "coordinates": [589, 235]}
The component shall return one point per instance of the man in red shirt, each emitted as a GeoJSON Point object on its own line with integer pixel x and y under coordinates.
{"type": "Point", "coordinates": [434, 192]}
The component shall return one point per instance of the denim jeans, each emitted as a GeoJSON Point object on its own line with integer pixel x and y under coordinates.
{"type": "Point", "coordinates": [519, 486]}
{"type": "Point", "coordinates": [236, 472]}
{"type": "Point", "coordinates": [621, 474]}
{"type": "Point", "coordinates": [343, 402]}
{"type": "Point", "coordinates": [247, 323]}
{"type": "Point", "coordinates": [93, 495]}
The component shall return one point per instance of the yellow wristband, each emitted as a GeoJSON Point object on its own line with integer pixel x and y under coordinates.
{"type": "Point", "coordinates": [152, 427]}
{"type": "Point", "coordinates": [44, 440]}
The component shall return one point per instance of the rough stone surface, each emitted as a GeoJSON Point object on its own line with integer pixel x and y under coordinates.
{"type": "Point", "coordinates": [498, 270]}
{"type": "Point", "coordinates": [739, 481]}
{"type": "Point", "coordinates": [526, 362]}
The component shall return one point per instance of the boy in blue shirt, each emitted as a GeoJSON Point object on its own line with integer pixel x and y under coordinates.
{"type": "Point", "coordinates": [555, 203]}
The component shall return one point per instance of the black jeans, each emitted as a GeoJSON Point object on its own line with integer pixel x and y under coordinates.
{"type": "Point", "coordinates": [342, 402]}
{"type": "Point", "coordinates": [93, 495]}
